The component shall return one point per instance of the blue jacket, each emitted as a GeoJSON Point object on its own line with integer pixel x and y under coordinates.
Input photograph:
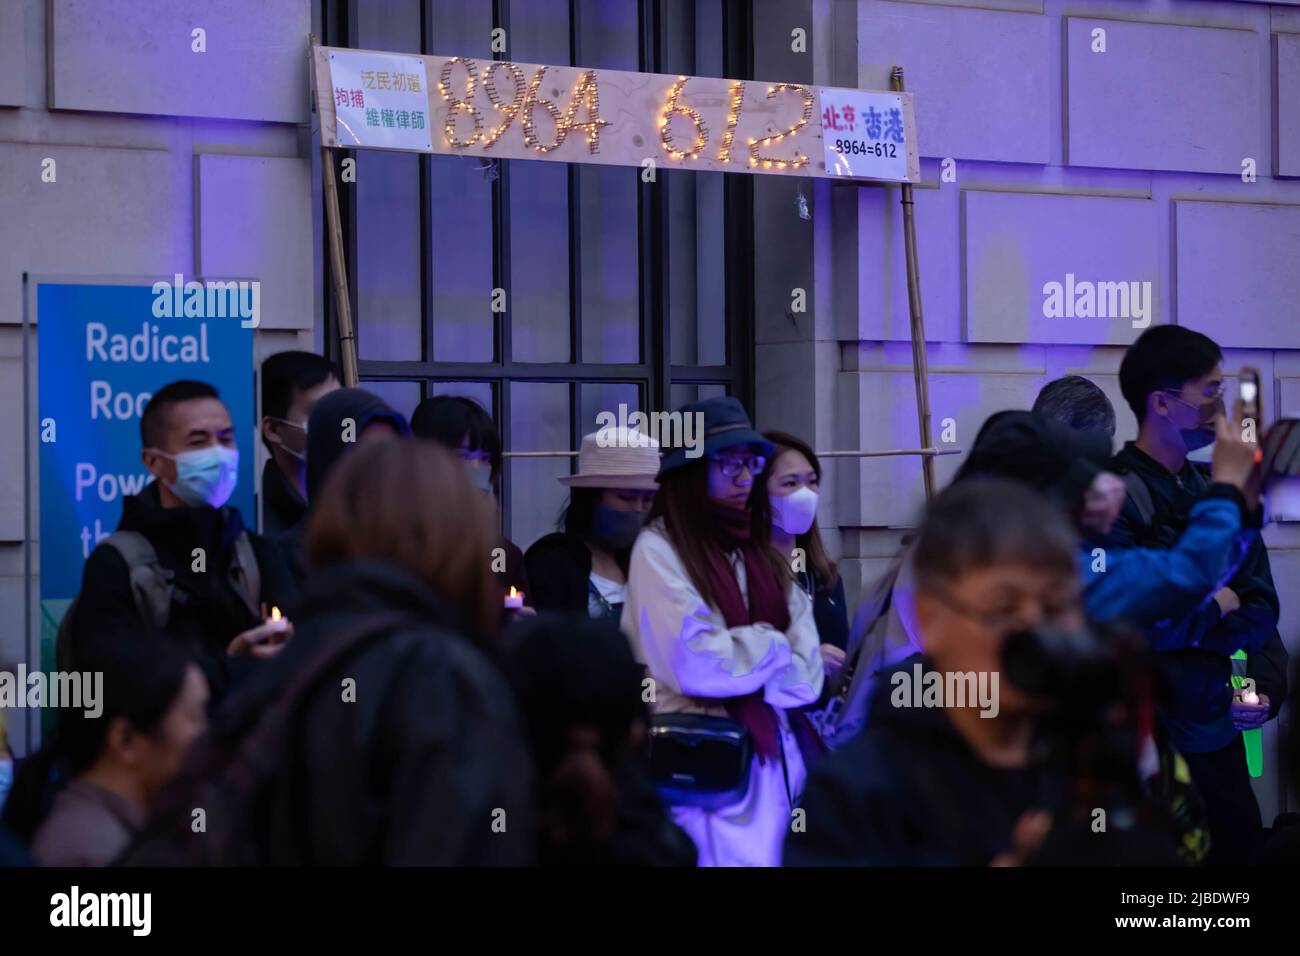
{"type": "Point", "coordinates": [1146, 586]}
{"type": "Point", "coordinates": [1195, 647]}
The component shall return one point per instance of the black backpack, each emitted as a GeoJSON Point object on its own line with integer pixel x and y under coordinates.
{"type": "Point", "coordinates": [153, 586]}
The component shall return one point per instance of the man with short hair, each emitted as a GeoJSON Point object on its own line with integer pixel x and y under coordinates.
{"type": "Point", "coordinates": [939, 778]}
{"type": "Point", "coordinates": [187, 566]}
{"type": "Point", "coordinates": [1172, 378]}
{"type": "Point", "coordinates": [292, 383]}
{"type": "Point", "coordinates": [1077, 402]}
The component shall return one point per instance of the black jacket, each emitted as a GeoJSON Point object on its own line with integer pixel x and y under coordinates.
{"type": "Point", "coordinates": [559, 569]}
{"type": "Point", "coordinates": [282, 506]}
{"type": "Point", "coordinates": [414, 770]}
{"type": "Point", "coordinates": [909, 791]}
{"type": "Point", "coordinates": [1196, 650]}
{"type": "Point", "coordinates": [207, 611]}
{"type": "Point", "coordinates": [830, 610]}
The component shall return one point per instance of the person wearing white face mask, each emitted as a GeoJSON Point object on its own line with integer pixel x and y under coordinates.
{"type": "Point", "coordinates": [181, 561]}
{"type": "Point", "coordinates": [793, 478]}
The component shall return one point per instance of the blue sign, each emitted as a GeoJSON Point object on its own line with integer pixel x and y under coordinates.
{"type": "Point", "coordinates": [103, 351]}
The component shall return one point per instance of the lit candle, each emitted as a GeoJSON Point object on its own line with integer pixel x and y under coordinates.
{"type": "Point", "coordinates": [515, 599]}
{"type": "Point", "coordinates": [275, 613]}
{"type": "Point", "coordinates": [1250, 697]}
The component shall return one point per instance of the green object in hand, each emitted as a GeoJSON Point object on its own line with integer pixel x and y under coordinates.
{"type": "Point", "coordinates": [1253, 739]}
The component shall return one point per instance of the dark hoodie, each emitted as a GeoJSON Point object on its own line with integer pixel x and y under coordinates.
{"type": "Point", "coordinates": [558, 568]}
{"type": "Point", "coordinates": [426, 764]}
{"type": "Point", "coordinates": [909, 791]}
{"type": "Point", "coordinates": [329, 436]}
{"type": "Point", "coordinates": [580, 690]}
{"type": "Point", "coordinates": [207, 611]}
{"type": "Point", "coordinates": [1040, 451]}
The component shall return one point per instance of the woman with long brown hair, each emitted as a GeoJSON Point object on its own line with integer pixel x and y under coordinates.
{"type": "Point", "coordinates": [729, 642]}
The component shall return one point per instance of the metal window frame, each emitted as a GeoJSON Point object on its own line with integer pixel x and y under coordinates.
{"type": "Point", "coordinates": [654, 375]}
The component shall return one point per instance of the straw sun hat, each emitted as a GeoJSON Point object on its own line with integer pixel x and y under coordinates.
{"type": "Point", "coordinates": [616, 458]}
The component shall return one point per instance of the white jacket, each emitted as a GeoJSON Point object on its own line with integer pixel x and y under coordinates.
{"type": "Point", "coordinates": [690, 653]}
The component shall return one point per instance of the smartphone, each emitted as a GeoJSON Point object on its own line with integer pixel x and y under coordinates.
{"type": "Point", "coordinates": [1251, 400]}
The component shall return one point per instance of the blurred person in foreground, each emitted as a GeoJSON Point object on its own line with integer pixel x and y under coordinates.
{"type": "Point", "coordinates": [581, 693]}
{"type": "Point", "coordinates": [383, 733]}
{"type": "Point", "coordinates": [979, 777]}
{"type": "Point", "coordinates": [85, 794]}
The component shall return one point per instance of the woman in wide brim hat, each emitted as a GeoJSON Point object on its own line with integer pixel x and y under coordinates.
{"type": "Point", "coordinates": [714, 614]}
{"type": "Point", "coordinates": [583, 566]}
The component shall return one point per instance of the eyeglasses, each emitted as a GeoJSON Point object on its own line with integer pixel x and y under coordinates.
{"type": "Point", "coordinates": [1000, 621]}
{"type": "Point", "coordinates": [1215, 392]}
{"type": "Point", "coordinates": [733, 466]}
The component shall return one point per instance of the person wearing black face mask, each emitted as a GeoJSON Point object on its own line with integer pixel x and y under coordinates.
{"type": "Point", "coordinates": [1172, 378]}
{"type": "Point", "coordinates": [583, 567]}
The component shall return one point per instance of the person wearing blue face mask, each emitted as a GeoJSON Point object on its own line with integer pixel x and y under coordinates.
{"type": "Point", "coordinates": [182, 561]}
{"type": "Point", "coordinates": [1173, 379]}
{"type": "Point", "coordinates": [583, 567]}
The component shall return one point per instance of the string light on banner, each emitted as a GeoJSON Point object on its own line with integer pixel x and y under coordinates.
{"type": "Point", "coordinates": [672, 106]}
{"type": "Point", "coordinates": [508, 110]}
{"type": "Point", "coordinates": [531, 102]}
{"type": "Point", "coordinates": [798, 159]}
{"type": "Point", "coordinates": [733, 117]}
{"type": "Point", "coordinates": [456, 105]}
{"type": "Point", "coordinates": [588, 92]}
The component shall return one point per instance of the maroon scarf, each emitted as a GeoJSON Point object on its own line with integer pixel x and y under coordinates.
{"type": "Point", "coordinates": [767, 602]}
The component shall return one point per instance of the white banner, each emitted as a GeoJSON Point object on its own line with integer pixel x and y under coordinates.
{"type": "Point", "coordinates": [380, 99]}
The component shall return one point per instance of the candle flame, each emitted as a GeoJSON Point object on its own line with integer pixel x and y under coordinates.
{"type": "Point", "coordinates": [275, 613]}
{"type": "Point", "coordinates": [514, 593]}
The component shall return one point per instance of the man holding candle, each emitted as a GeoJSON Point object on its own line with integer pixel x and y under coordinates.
{"type": "Point", "coordinates": [182, 561]}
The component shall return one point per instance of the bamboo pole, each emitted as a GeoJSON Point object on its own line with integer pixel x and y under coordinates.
{"type": "Point", "coordinates": [920, 368]}
{"type": "Point", "coordinates": [338, 265]}
{"type": "Point", "coordinates": [339, 270]}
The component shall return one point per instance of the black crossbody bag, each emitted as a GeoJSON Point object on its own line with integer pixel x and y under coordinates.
{"type": "Point", "coordinates": [698, 760]}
